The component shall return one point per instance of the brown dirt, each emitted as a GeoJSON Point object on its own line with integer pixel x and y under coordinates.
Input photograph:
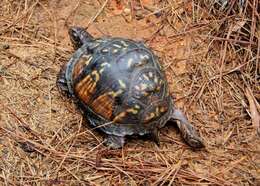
{"type": "Point", "coordinates": [44, 139]}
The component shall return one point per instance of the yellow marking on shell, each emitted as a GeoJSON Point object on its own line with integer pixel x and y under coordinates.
{"type": "Point", "coordinates": [156, 79]}
{"type": "Point", "coordinates": [145, 77]}
{"type": "Point", "coordinates": [144, 57]}
{"type": "Point", "coordinates": [137, 106]}
{"type": "Point", "coordinates": [117, 46]}
{"type": "Point", "coordinates": [143, 86]}
{"type": "Point", "coordinates": [105, 64]}
{"type": "Point", "coordinates": [152, 115]}
{"type": "Point", "coordinates": [140, 78]}
{"type": "Point", "coordinates": [122, 84]}
{"type": "Point", "coordinates": [124, 43]}
{"type": "Point", "coordinates": [88, 60]}
{"type": "Point", "coordinates": [150, 74]}
{"type": "Point", "coordinates": [157, 111]}
{"type": "Point", "coordinates": [145, 93]}
{"type": "Point", "coordinates": [96, 74]}
{"type": "Point", "coordinates": [152, 86]}
{"type": "Point", "coordinates": [137, 87]}
{"type": "Point", "coordinates": [115, 94]}
{"type": "Point", "coordinates": [98, 40]}
{"type": "Point", "coordinates": [162, 109]}
{"type": "Point", "coordinates": [119, 117]}
{"type": "Point", "coordinates": [103, 105]}
{"type": "Point", "coordinates": [129, 62]}
{"type": "Point", "coordinates": [95, 45]}
{"type": "Point", "coordinates": [114, 51]}
{"type": "Point", "coordinates": [101, 70]}
{"type": "Point", "coordinates": [104, 50]}
{"type": "Point", "coordinates": [133, 111]}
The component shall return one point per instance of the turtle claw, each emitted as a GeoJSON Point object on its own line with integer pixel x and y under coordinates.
{"type": "Point", "coordinates": [189, 134]}
{"type": "Point", "coordinates": [114, 142]}
{"type": "Point", "coordinates": [155, 136]}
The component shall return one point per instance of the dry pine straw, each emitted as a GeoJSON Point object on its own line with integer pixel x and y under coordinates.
{"type": "Point", "coordinates": [213, 76]}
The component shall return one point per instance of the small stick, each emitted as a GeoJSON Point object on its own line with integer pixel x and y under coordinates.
{"type": "Point", "coordinates": [72, 12]}
{"type": "Point", "coordinates": [97, 14]}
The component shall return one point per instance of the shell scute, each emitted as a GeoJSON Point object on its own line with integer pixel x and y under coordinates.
{"type": "Point", "coordinates": [117, 81]}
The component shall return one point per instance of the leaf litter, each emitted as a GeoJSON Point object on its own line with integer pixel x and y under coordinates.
{"type": "Point", "coordinates": [210, 52]}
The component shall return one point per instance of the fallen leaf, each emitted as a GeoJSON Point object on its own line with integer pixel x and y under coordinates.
{"type": "Point", "coordinates": [238, 25]}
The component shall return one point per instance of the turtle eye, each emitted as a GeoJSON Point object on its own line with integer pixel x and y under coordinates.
{"type": "Point", "coordinates": [75, 37]}
{"type": "Point", "coordinates": [74, 34]}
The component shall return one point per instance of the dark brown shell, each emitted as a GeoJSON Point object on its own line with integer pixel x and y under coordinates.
{"type": "Point", "coordinates": [121, 86]}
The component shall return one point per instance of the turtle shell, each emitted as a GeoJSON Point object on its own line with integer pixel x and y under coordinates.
{"type": "Point", "coordinates": [120, 85]}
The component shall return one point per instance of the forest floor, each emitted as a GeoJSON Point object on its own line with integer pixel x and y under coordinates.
{"type": "Point", "coordinates": [210, 54]}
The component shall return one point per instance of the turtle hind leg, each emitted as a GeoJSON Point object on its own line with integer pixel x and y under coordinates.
{"type": "Point", "coordinates": [114, 142]}
{"type": "Point", "coordinates": [62, 82]}
{"type": "Point", "coordinates": [187, 130]}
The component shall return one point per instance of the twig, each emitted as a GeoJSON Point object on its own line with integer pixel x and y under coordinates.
{"type": "Point", "coordinates": [97, 14]}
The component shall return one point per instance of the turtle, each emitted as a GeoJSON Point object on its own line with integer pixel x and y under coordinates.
{"type": "Point", "coordinates": [121, 88]}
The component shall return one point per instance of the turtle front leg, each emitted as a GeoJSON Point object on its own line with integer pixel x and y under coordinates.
{"type": "Point", "coordinates": [114, 142]}
{"type": "Point", "coordinates": [155, 136]}
{"type": "Point", "coordinates": [62, 83]}
{"type": "Point", "coordinates": [187, 130]}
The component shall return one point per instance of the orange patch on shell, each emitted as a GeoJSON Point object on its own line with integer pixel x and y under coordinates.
{"type": "Point", "coordinates": [85, 89]}
{"type": "Point", "coordinates": [79, 66]}
{"type": "Point", "coordinates": [103, 105]}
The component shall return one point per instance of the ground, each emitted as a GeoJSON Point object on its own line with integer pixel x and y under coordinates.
{"type": "Point", "coordinates": [212, 76]}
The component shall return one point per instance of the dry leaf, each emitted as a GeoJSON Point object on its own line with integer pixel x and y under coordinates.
{"type": "Point", "coordinates": [253, 110]}
{"type": "Point", "coordinates": [238, 25]}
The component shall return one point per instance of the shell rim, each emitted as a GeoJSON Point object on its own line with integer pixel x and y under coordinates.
{"type": "Point", "coordinates": [128, 129]}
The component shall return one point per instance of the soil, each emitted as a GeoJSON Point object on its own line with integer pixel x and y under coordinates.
{"type": "Point", "coordinates": [46, 141]}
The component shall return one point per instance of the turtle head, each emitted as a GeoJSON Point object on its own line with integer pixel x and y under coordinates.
{"type": "Point", "coordinates": [79, 36]}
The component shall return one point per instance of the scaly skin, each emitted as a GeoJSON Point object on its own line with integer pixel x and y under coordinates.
{"type": "Point", "coordinates": [187, 130]}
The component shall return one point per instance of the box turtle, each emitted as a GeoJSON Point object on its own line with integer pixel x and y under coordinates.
{"type": "Point", "coordinates": [119, 85]}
